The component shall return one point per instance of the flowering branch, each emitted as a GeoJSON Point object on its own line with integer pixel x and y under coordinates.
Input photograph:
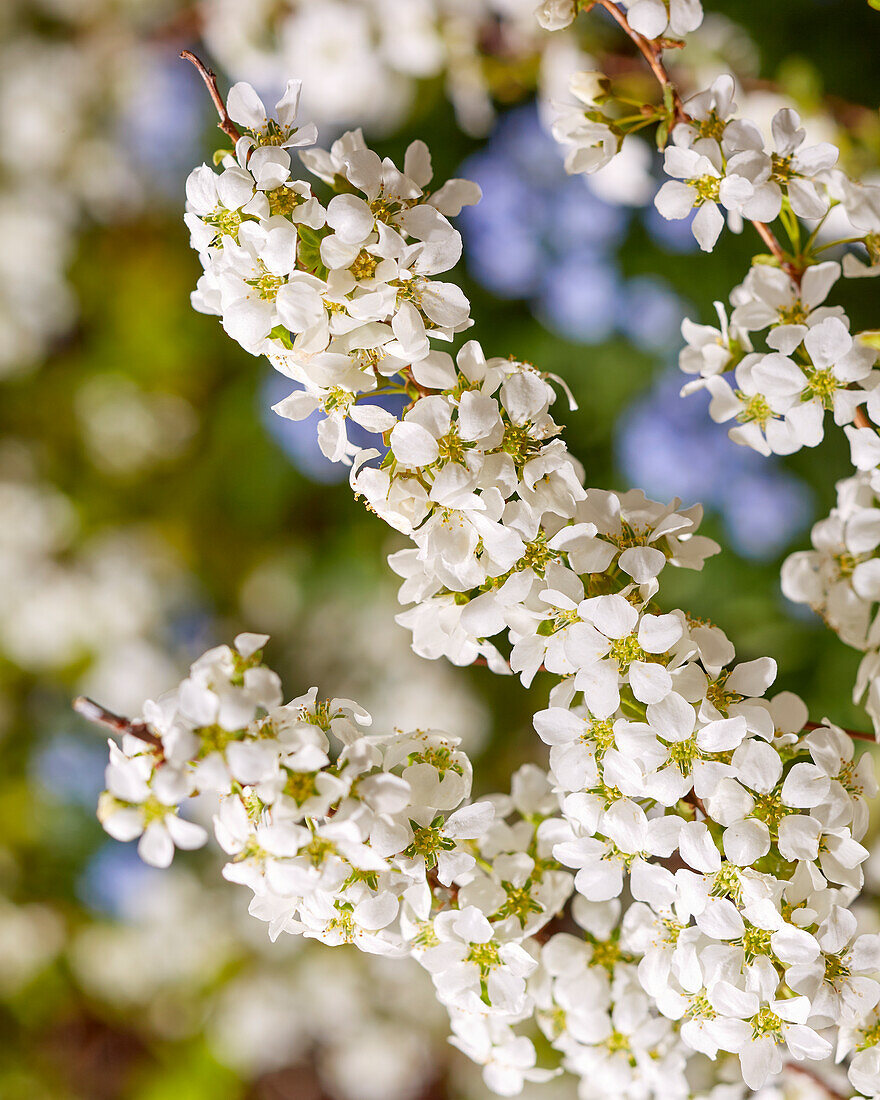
{"type": "Point", "coordinates": [721, 168]}
{"type": "Point", "coordinates": [652, 52]}
{"type": "Point", "coordinates": [210, 79]}
{"type": "Point", "coordinates": [369, 840]}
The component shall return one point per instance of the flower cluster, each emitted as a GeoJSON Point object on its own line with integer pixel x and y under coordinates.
{"type": "Point", "coordinates": [735, 833]}
{"type": "Point", "coordinates": [838, 578]}
{"type": "Point", "coordinates": [779, 398]}
{"type": "Point", "coordinates": [680, 881]}
{"type": "Point", "coordinates": [342, 298]}
{"type": "Point", "coordinates": [809, 360]}
{"type": "Point", "coordinates": [741, 886]}
{"type": "Point", "coordinates": [346, 836]}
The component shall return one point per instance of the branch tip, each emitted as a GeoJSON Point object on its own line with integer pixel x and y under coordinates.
{"type": "Point", "coordinates": [209, 78]}
{"type": "Point", "coordinates": [100, 716]}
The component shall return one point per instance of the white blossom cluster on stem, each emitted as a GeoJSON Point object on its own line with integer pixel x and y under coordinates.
{"type": "Point", "coordinates": [679, 881]}
{"type": "Point", "coordinates": [783, 356]}
{"type": "Point", "coordinates": [738, 844]}
{"type": "Point", "coordinates": [341, 297]}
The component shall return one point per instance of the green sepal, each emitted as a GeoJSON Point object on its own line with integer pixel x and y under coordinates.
{"type": "Point", "coordinates": [281, 333]}
{"type": "Point", "coordinates": [309, 251]}
{"type": "Point", "coordinates": [342, 187]}
{"type": "Point", "coordinates": [632, 709]}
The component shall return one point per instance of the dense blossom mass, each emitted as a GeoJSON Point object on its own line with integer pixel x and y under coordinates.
{"type": "Point", "coordinates": [672, 780]}
{"type": "Point", "coordinates": [678, 882]}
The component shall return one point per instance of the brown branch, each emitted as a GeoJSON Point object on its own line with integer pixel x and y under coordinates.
{"type": "Point", "coordinates": [832, 1093]}
{"type": "Point", "coordinates": [94, 712]}
{"type": "Point", "coordinates": [771, 242]}
{"type": "Point", "coordinates": [856, 735]}
{"type": "Point", "coordinates": [208, 76]}
{"type": "Point", "coordinates": [861, 419]}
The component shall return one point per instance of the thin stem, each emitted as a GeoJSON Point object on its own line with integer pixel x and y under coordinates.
{"type": "Point", "coordinates": [843, 240]}
{"type": "Point", "coordinates": [811, 240]}
{"type": "Point", "coordinates": [651, 53]}
{"type": "Point", "coordinates": [832, 1093]}
{"type": "Point", "coordinates": [766, 235]}
{"type": "Point", "coordinates": [208, 76]}
{"type": "Point", "coordinates": [856, 735]}
{"type": "Point", "coordinates": [792, 226]}
{"type": "Point", "coordinates": [94, 712]}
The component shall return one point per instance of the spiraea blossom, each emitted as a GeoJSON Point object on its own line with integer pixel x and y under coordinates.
{"type": "Point", "coordinates": [783, 356]}
{"type": "Point", "coordinates": [678, 880]}
{"type": "Point", "coordinates": [346, 835]}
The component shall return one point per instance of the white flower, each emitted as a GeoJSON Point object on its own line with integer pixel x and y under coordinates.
{"type": "Point", "coordinates": [612, 640]}
{"type": "Point", "coordinates": [836, 365]}
{"type": "Point", "coordinates": [555, 15]}
{"type": "Point", "coordinates": [700, 181]}
{"type": "Point", "coordinates": [508, 1060]}
{"type": "Point", "coordinates": [593, 141]}
{"type": "Point", "coordinates": [653, 18]}
{"type": "Point", "coordinates": [708, 351]}
{"type": "Point", "coordinates": [141, 803]}
{"type": "Point", "coordinates": [796, 170]}
{"type": "Point", "coordinates": [837, 982]}
{"type": "Point", "coordinates": [246, 108]}
{"type": "Point", "coordinates": [769, 296]}
{"type": "Point", "coordinates": [467, 959]}
{"type": "Point", "coordinates": [760, 416]}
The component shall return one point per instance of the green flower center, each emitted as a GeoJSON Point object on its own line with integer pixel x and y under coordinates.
{"type": "Point", "coordinates": [300, 786]}
{"type": "Point", "coordinates": [755, 942]}
{"type": "Point", "coordinates": [821, 384]}
{"type": "Point", "coordinates": [835, 969]}
{"type": "Point", "coordinates": [519, 903]}
{"type": "Point", "coordinates": [766, 1023]}
{"type": "Point", "coordinates": [754, 409]}
{"type": "Point", "coordinates": [626, 650]}
{"type": "Point", "coordinates": [706, 188]}
{"type": "Point", "coordinates": [484, 955]}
